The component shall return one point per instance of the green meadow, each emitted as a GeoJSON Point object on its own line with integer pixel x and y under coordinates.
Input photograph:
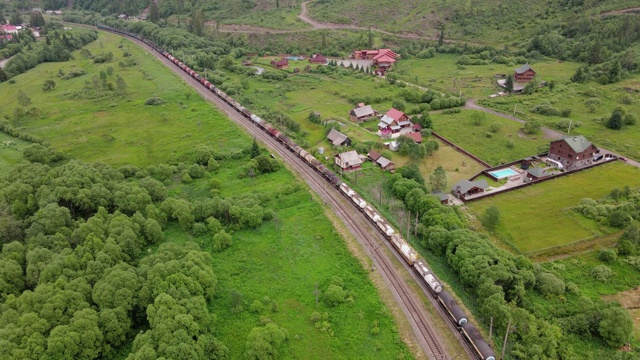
{"type": "Point", "coordinates": [119, 129]}
{"type": "Point", "coordinates": [540, 217]}
{"type": "Point", "coordinates": [10, 151]}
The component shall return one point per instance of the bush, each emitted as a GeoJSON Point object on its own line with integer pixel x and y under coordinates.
{"type": "Point", "coordinates": [545, 109]}
{"type": "Point", "coordinates": [494, 128]}
{"type": "Point", "coordinates": [565, 112]}
{"type": "Point", "coordinates": [549, 284]}
{"type": "Point", "coordinates": [629, 119]}
{"type": "Point", "coordinates": [601, 273]}
{"type": "Point", "coordinates": [607, 255]}
{"type": "Point", "coordinates": [154, 101]}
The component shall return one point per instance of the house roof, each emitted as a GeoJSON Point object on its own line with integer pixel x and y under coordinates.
{"type": "Point", "coordinates": [280, 62]}
{"type": "Point", "coordinates": [405, 123]}
{"type": "Point", "coordinates": [318, 58]}
{"type": "Point", "coordinates": [522, 69]}
{"type": "Point", "coordinates": [395, 127]}
{"type": "Point", "coordinates": [363, 111]}
{"type": "Point", "coordinates": [384, 59]}
{"type": "Point", "coordinates": [537, 172]}
{"type": "Point", "coordinates": [465, 185]}
{"type": "Point", "coordinates": [416, 136]}
{"type": "Point", "coordinates": [417, 127]}
{"type": "Point", "coordinates": [385, 52]}
{"type": "Point", "coordinates": [350, 158]}
{"type": "Point", "coordinates": [8, 28]}
{"type": "Point", "coordinates": [442, 196]}
{"type": "Point", "coordinates": [336, 138]}
{"type": "Point", "coordinates": [577, 143]}
{"type": "Point", "coordinates": [373, 155]}
{"type": "Point", "coordinates": [395, 114]}
{"type": "Point", "coordinates": [384, 162]}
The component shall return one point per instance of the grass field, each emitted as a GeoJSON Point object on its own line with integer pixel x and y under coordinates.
{"type": "Point", "coordinates": [10, 151]}
{"type": "Point", "coordinates": [505, 145]}
{"type": "Point", "coordinates": [283, 19]}
{"type": "Point", "coordinates": [121, 130]}
{"type": "Point", "coordinates": [537, 217]}
{"type": "Point", "coordinates": [282, 261]}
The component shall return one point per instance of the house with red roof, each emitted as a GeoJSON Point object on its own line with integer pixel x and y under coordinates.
{"type": "Point", "coordinates": [392, 122]}
{"type": "Point", "coordinates": [9, 29]}
{"type": "Point", "coordinates": [416, 136]}
{"type": "Point", "coordinates": [280, 64]}
{"type": "Point", "coordinates": [317, 59]}
{"type": "Point", "coordinates": [383, 59]}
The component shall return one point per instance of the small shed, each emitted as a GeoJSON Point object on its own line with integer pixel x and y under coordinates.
{"type": "Point", "coordinates": [349, 160]}
{"type": "Point", "coordinates": [373, 155]}
{"type": "Point", "coordinates": [386, 164]}
{"type": "Point", "coordinates": [317, 59]}
{"type": "Point", "coordinates": [337, 138]}
{"type": "Point", "coordinates": [444, 198]}
{"type": "Point", "coordinates": [393, 146]}
{"type": "Point", "coordinates": [536, 173]}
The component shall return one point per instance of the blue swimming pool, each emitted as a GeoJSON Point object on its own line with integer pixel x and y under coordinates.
{"type": "Point", "coordinates": [296, 58]}
{"type": "Point", "coordinates": [503, 173]}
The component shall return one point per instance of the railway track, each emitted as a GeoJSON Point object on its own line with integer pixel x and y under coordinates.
{"type": "Point", "coordinates": [366, 234]}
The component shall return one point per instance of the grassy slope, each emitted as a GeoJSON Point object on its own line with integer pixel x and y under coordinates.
{"type": "Point", "coordinates": [537, 217]}
{"type": "Point", "coordinates": [461, 129]}
{"type": "Point", "coordinates": [122, 130]}
{"type": "Point", "coordinates": [10, 154]}
{"type": "Point", "coordinates": [284, 263]}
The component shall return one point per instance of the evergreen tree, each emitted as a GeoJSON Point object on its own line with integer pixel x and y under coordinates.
{"type": "Point", "coordinates": [196, 25]}
{"type": "Point", "coordinates": [580, 75]}
{"type": "Point", "coordinates": [15, 19]}
{"type": "Point", "coordinates": [255, 149]}
{"type": "Point", "coordinates": [509, 83]}
{"type": "Point", "coordinates": [153, 12]}
{"type": "Point", "coordinates": [23, 99]}
{"type": "Point", "coordinates": [121, 86]}
{"type": "Point", "coordinates": [438, 180]}
{"type": "Point", "coordinates": [615, 121]}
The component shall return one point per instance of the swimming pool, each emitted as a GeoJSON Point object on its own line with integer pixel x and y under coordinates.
{"type": "Point", "coordinates": [296, 58]}
{"type": "Point", "coordinates": [503, 173]}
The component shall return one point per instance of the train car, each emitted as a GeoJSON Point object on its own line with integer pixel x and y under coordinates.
{"type": "Point", "coordinates": [385, 228]}
{"type": "Point", "coordinates": [371, 214]}
{"type": "Point", "coordinates": [358, 200]}
{"type": "Point", "coordinates": [333, 178]}
{"type": "Point", "coordinates": [454, 311]}
{"type": "Point", "coordinates": [346, 190]}
{"type": "Point", "coordinates": [408, 253]}
{"type": "Point", "coordinates": [428, 277]}
{"type": "Point", "coordinates": [477, 342]}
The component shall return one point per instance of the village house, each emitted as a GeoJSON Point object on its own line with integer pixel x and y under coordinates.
{"type": "Point", "coordinates": [349, 160]}
{"type": "Point", "coordinates": [416, 136]}
{"type": "Point", "coordinates": [362, 113]}
{"type": "Point", "coordinates": [392, 122]}
{"type": "Point", "coordinates": [444, 198]}
{"type": "Point", "coordinates": [318, 59]}
{"type": "Point", "coordinates": [536, 173]}
{"type": "Point", "coordinates": [524, 74]}
{"type": "Point", "coordinates": [337, 138]}
{"type": "Point", "coordinates": [464, 188]}
{"type": "Point", "coordinates": [383, 59]}
{"type": "Point", "coordinates": [280, 64]}
{"type": "Point", "coordinates": [57, 12]}
{"type": "Point", "coordinates": [572, 152]}
{"type": "Point", "coordinates": [9, 29]}
{"type": "Point", "coordinates": [373, 155]}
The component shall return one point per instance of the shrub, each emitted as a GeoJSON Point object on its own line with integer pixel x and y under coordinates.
{"type": "Point", "coordinates": [601, 273]}
{"type": "Point", "coordinates": [565, 112]}
{"type": "Point", "coordinates": [545, 109]}
{"type": "Point", "coordinates": [154, 101]}
{"type": "Point", "coordinates": [256, 307]}
{"type": "Point", "coordinates": [629, 119]}
{"type": "Point", "coordinates": [549, 284]}
{"type": "Point", "coordinates": [607, 255]}
{"type": "Point", "coordinates": [494, 128]}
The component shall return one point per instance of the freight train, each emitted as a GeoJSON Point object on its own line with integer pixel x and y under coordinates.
{"type": "Point", "coordinates": [407, 253]}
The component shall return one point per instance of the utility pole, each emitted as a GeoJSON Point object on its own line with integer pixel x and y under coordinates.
{"type": "Point", "coordinates": [506, 336]}
{"type": "Point", "coordinates": [569, 130]}
{"type": "Point", "coordinates": [515, 109]}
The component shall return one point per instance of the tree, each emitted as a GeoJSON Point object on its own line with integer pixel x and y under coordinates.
{"type": "Point", "coordinates": [491, 218]}
{"type": "Point", "coordinates": [508, 84]}
{"type": "Point", "coordinates": [25, 101]}
{"type": "Point", "coordinates": [121, 86]}
{"type": "Point", "coordinates": [580, 76]}
{"type": "Point", "coordinates": [478, 117]}
{"type": "Point", "coordinates": [263, 342]}
{"type": "Point", "coordinates": [398, 104]}
{"type": "Point", "coordinates": [48, 85]}
{"type": "Point", "coordinates": [36, 19]}
{"type": "Point", "coordinates": [616, 120]}
{"type": "Point", "coordinates": [532, 126]}
{"type": "Point", "coordinates": [221, 241]}
{"type": "Point", "coordinates": [37, 153]}
{"type": "Point", "coordinates": [438, 180]}
{"type": "Point", "coordinates": [196, 25]}
{"type": "Point", "coordinates": [15, 19]}
{"type": "Point", "coordinates": [255, 149]}
{"type": "Point", "coordinates": [552, 85]}
{"type": "Point", "coordinates": [616, 326]}
{"type": "Point", "coordinates": [153, 12]}
{"type": "Point", "coordinates": [441, 36]}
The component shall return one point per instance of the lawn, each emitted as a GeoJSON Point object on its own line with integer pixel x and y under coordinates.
{"type": "Point", "coordinates": [538, 217]}
{"type": "Point", "coordinates": [121, 130]}
{"type": "Point", "coordinates": [10, 151]}
{"type": "Point", "coordinates": [507, 144]}
{"type": "Point", "coordinates": [280, 263]}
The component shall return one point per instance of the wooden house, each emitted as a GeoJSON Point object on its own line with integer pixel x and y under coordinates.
{"type": "Point", "coordinates": [572, 151]}
{"type": "Point", "coordinates": [416, 136]}
{"type": "Point", "coordinates": [524, 74]}
{"type": "Point", "coordinates": [393, 121]}
{"type": "Point", "coordinates": [464, 188]}
{"type": "Point", "coordinates": [280, 64]}
{"type": "Point", "coordinates": [349, 160]}
{"type": "Point", "coordinates": [373, 155]}
{"type": "Point", "coordinates": [318, 59]}
{"type": "Point", "coordinates": [337, 138]}
{"type": "Point", "coordinates": [362, 113]}
{"type": "Point", "coordinates": [386, 164]}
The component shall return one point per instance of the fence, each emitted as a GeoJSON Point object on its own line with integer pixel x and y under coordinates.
{"type": "Point", "coordinates": [533, 182]}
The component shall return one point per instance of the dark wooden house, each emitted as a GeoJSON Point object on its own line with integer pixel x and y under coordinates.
{"type": "Point", "coordinates": [280, 64]}
{"type": "Point", "coordinates": [572, 152]}
{"type": "Point", "coordinates": [524, 74]}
